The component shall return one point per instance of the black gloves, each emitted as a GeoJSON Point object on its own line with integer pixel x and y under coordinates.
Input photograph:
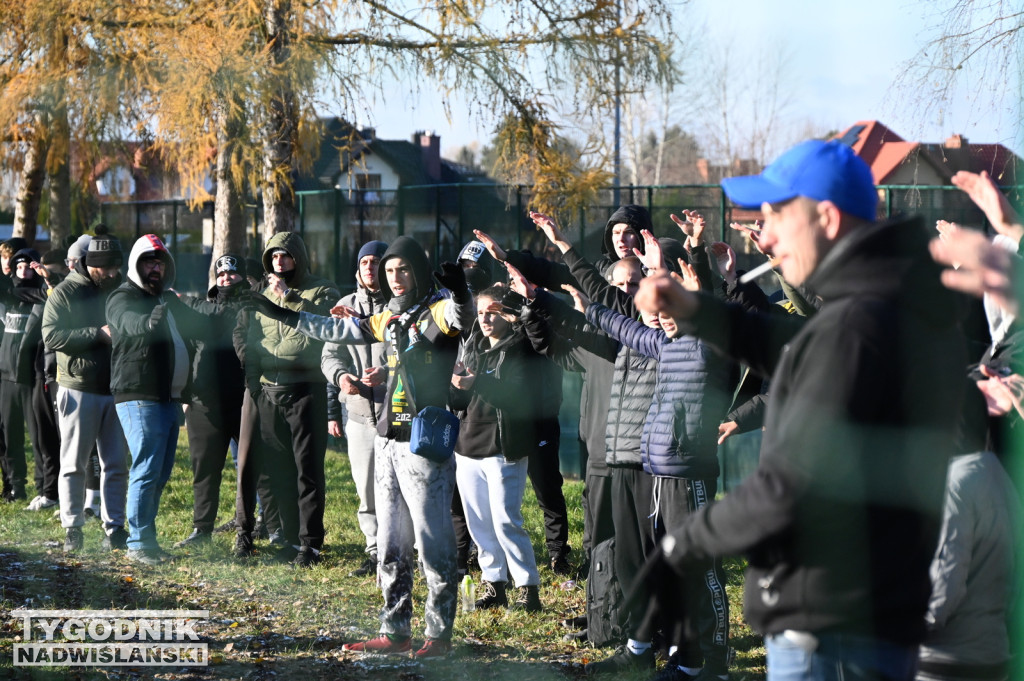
{"type": "Point", "coordinates": [266, 307]}
{"type": "Point", "coordinates": [157, 316]}
{"type": "Point", "coordinates": [453, 278]}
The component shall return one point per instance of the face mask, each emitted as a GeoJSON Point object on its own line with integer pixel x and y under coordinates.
{"type": "Point", "coordinates": [477, 279]}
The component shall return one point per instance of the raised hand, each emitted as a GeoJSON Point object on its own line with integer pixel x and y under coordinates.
{"type": "Point", "coordinates": [725, 258]}
{"type": "Point", "coordinates": [752, 232]}
{"type": "Point", "coordinates": [496, 251]}
{"type": "Point", "coordinates": [983, 266]}
{"type": "Point", "coordinates": [519, 283]}
{"type": "Point", "coordinates": [580, 300]}
{"type": "Point", "coordinates": [651, 257]}
{"type": "Point", "coordinates": [688, 276]}
{"type": "Point", "coordinates": [984, 192]}
{"type": "Point", "coordinates": [550, 228]}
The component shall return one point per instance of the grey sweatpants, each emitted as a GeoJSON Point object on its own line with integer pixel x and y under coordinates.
{"type": "Point", "coordinates": [88, 419]}
{"type": "Point", "coordinates": [414, 509]}
{"type": "Point", "coordinates": [360, 436]}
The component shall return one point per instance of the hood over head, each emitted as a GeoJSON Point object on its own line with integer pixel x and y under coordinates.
{"type": "Point", "coordinates": [633, 215]}
{"type": "Point", "coordinates": [296, 247]}
{"type": "Point", "coordinates": [673, 251]}
{"type": "Point", "coordinates": [149, 246]}
{"type": "Point", "coordinates": [411, 251]}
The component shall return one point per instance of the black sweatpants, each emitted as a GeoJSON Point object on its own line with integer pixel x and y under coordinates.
{"type": "Point", "coordinates": [45, 438]}
{"type": "Point", "coordinates": [546, 478]}
{"type": "Point", "coordinates": [692, 610]}
{"type": "Point", "coordinates": [293, 425]}
{"type": "Point", "coordinates": [210, 431]}
{"type": "Point", "coordinates": [631, 490]}
{"type": "Point", "coordinates": [252, 476]}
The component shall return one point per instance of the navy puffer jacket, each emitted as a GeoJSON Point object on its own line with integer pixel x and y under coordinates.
{"type": "Point", "coordinates": [680, 438]}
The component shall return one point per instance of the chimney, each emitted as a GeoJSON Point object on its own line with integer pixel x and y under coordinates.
{"type": "Point", "coordinates": [956, 142]}
{"type": "Point", "coordinates": [430, 148]}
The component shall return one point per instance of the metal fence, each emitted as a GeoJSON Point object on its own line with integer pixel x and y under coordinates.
{"type": "Point", "coordinates": [335, 223]}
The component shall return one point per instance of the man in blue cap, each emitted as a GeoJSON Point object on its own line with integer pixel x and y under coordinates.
{"type": "Point", "coordinates": [840, 521]}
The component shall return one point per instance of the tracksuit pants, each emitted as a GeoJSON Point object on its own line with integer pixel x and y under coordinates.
{"type": "Point", "coordinates": [210, 431]}
{"type": "Point", "coordinates": [414, 498]}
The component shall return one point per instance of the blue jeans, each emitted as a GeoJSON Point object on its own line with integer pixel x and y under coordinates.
{"type": "Point", "coordinates": [151, 429]}
{"type": "Point", "coordinates": [839, 657]}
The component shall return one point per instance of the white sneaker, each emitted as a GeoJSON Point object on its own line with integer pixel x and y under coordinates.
{"type": "Point", "coordinates": [40, 503]}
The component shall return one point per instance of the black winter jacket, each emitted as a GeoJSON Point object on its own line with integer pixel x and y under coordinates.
{"type": "Point", "coordinates": [498, 413]}
{"type": "Point", "coordinates": [840, 520]}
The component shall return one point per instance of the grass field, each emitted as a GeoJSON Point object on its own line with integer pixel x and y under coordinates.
{"type": "Point", "coordinates": [269, 621]}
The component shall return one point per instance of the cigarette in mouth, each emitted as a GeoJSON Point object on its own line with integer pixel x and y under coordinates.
{"type": "Point", "coordinates": [757, 271]}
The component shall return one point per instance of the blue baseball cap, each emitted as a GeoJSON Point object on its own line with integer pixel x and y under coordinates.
{"type": "Point", "coordinates": [824, 171]}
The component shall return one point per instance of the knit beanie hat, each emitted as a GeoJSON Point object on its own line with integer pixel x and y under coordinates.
{"type": "Point", "coordinates": [104, 250]}
{"type": "Point", "coordinates": [230, 262]}
{"type": "Point", "coordinates": [375, 248]}
{"type": "Point", "coordinates": [78, 249]}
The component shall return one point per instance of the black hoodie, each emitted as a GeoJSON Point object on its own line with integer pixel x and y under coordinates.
{"type": "Point", "coordinates": [840, 520]}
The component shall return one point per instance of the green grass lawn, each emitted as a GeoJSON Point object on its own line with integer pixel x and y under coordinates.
{"type": "Point", "coordinates": [270, 621]}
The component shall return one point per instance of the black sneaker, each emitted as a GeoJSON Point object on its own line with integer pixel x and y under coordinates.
{"type": "Point", "coordinates": [116, 540]}
{"type": "Point", "coordinates": [493, 595]}
{"type": "Point", "coordinates": [229, 526]}
{"type": "Point", "coordinates": [243, 546]}
{"type": "Point", "coordinates": [527, 598]}
{"type": "Point", "coordinates": [368, 566]}
{"type": "Point", "coordinates": [286, 554]}
{"type": "Point", "coordinates": [622, 661]}
{"type": "Point", "coordinates": [673, 672]}
{"type": "Point", "coordinates": [560, 566]}
{"type": "Point", "coordinates": [195, 539]}
{"type": "Point", "coordinates": [307, 558]}
{"type": "Point", "coordinates": [73, 540]}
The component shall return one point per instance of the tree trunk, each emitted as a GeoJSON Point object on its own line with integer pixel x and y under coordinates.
{"type": "Point", "coordinates": [228, 211]}
{"type": "Point", "coordinates": [59, 220]}
{"type": "Point", "coordinates": [30, 190]}
{"type": "Point", "coordinates": [281, 127]}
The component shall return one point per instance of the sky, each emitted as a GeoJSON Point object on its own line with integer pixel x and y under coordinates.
{"type": "Point", "coordinates": [845, 59]}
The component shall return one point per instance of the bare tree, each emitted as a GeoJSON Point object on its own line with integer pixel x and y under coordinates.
{"type": "Point", "coordinates": [973, 44]}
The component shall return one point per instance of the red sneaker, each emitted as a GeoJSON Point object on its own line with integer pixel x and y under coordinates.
{"type": "Point", "coordinates": [382, 645]}
{"type": "Point", "coordinates": [434, 647]}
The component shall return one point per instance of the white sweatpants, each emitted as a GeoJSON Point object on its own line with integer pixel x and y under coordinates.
{"type": "Point", "coordinates": [492, 496]}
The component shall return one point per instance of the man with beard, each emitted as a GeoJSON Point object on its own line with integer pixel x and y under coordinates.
{"type": "Point", "coordinates": [149, 370]}
{"type": "Point", "coordinates": [359, 374]}
{"type": "Point", "coordinates": [75, 326]}
{"type": "Point", "coordinates": [214, 413]}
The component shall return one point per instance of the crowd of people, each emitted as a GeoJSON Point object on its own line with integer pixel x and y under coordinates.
{"type": "Point", "coordinates": [880, 529]}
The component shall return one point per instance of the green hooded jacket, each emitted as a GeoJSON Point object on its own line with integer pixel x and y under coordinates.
{"type": "Point", "coordinates": [278, 353]}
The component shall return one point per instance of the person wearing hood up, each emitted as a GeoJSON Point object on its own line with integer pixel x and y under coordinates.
{"type": "Point", "coordinates": [149, 372]}
{"type": "Point", "coordinates": [216, 389]}
{"type": "Point", "coordinates": [286, 382]}
{"type": "Point", "coordinates": [358, 373]}
{"type": "Point", "coordinates": [75, 327]}
{"type": "Point", "coordinates": [420, 328]}
{"type": "Point", "coordinates": [21, 353]}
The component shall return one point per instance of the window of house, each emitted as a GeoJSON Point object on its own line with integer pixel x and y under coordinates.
{"type": "Point", "coordinates": [367, 187]}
